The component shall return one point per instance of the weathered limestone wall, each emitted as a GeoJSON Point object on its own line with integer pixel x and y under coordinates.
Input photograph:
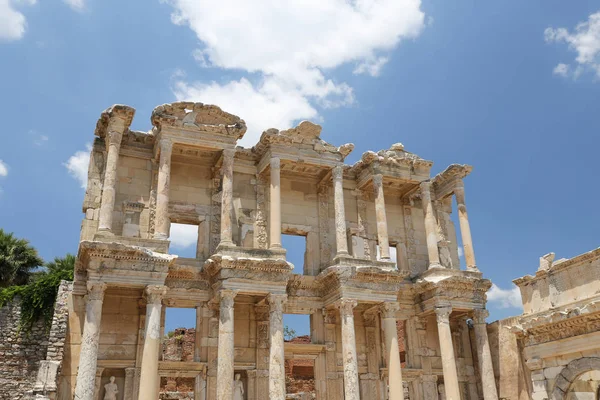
{"type": "Point", "coordinates": [513, 378]}
{"type": "Point", "coordinates": [22, 353]}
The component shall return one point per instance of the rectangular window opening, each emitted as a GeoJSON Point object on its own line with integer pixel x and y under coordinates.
{"type": "Point", "coordinates": [299, 371]}
{"type": "Point", "coordinates": [179, 334]}
{"type": "Point", "coordinates": [177, 387]}
{"type": "Point", "coordinates": [295, 245]}
{"type": "Point", "coordinates": [184, 240]}
{"type": "Point", "coordinates": [296, 328]}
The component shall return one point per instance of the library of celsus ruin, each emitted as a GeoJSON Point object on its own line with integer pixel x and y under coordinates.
{"type": "Point", "coordinates": [392, 314]}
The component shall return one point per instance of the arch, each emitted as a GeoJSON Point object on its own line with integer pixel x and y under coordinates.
{"type": "Point", "coordinates": [570, 373]}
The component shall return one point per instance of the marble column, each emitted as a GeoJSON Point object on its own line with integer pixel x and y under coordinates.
{"type": "Point", "coordinates": [341, 238]}
{"type": "Point", "coordinates": [447, 349]}
{"type": "Point", "coordinates": [275, 205]}
{"type": "Point", "coordinates": [149, 381]}
{"type": "Point", "coordinates": [484, 356]}
{"type": "Point", "coordinates": [465, 228]}
{"type": "Point", "coordinates": [390, 331]}
{"type": "Point", "coordinates": [110, 180]}
{"type": "Point", "coordinates": [351, 388]}
{"type": "Point", "coordinates": [162, 222]}
{"type": "Point", "coordinates": [430, 226]}
{"type": "Point", "coordinates": [276, 355]}
{"type": "Point", "coordinates": [225, 359]}
{"type": "Point", "coordinates": [88, 356]}
{"type": "Point", "coordinates": [129, 384]}
{"type": "Point", "coordinates": [227, 198]}
{"type": "Point", "coordinates": [382, 227]}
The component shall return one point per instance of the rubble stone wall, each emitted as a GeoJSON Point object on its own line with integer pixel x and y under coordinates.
{"type": "Point", "coordinates": [22, 352]}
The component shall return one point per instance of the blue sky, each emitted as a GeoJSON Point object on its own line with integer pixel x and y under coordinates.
{"type": "Point", "coordinates": [509, 87]}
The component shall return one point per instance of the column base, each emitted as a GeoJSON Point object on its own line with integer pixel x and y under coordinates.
{"type": "Point", "coordinates": [436, 266]}
{"type": "Point", "coordinates": [472, 268]}
{"type": "Point", "coordinates": [160, 236]}
{"type": "Point", "coordinates": [105, 232]}
{"type": "Point", "coordinates": [275, 246]}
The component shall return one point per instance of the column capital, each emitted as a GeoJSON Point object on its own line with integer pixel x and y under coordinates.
{"type": "Point", "coordinates": [95, 290]}
{"type": "Point", "coordinates": [425, 188]}
{"type": "Point", "coordinates": [338, 173]}
{"type": "Point", "coordinates": [166, 145]}
{"type": "Point", "coordinates": [276, 301]}
{"type": "Point", "coordinates": [155, 293]}
{"type": "Point", "coordinates": [346, 306]}
{"type": "Point", "coordinates": [228, 155]}
{"type": "Point", "coordinates": [480, 315]}
{"type": "Point", "coordinates": [275, 163]}
{"type": "Point", "coordinates": [226, 297]}
{"type": "Point", "coordinates": [443, 314]}
{"type": "Point", "coordinates": [389, 309]}
{"type": "Point", "coordinates": [114, 138]}
{"type": "Point", "coordinates": [130, 372]}
{"type": "Point", "coordinates": [377, 180]}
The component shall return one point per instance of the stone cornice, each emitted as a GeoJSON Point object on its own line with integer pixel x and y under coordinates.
{"type": "Point", "coordinates": [446, 181]}
{"type": "Point", "coordinates": [136, 257]}
{"type": "Point", "coordinates": [120, 111]}
{"type": "Point", "coordinates": [395, 156]}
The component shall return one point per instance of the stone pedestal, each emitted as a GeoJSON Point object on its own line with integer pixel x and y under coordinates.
{"type": "Point", "coordinates": [447, 349]}
{"type": "Point", "coordinates": [351, 387]}
{"type": "Point", "coordinates": [88, 357]}
{"type": "Point", "coordinates": [341, 238]}
{"type": "Point", "coordinates": [465, 228]}
{"type": "Point", "coordinates": [227, 198]}
{"type": "Point", "coordinates": [149, 382]}
{"type": "Point", "coordinates": [225, 358]}
{"type": "Point", "coordinates": [382, 228]}
{"type": "Point", "coordinates": [276, 358]}
{"type": "Point", "coordinates": [275, 205]}
{"type": "Point", "coordinates": [162, 222]}
{"type": "Point", "coordinates": [110, 179]}
{"type": "Point", "coordinates": [430, 226]}
{"type": "Point", "coordinates": [486, 369]}
{"type": "Point", "coordinates": [390, 330]}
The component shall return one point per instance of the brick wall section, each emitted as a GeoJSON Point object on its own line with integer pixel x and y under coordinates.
{"type": "Point", "coordinates": [21, 353]}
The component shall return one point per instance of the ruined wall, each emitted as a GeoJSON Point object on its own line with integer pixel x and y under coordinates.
{"type": "Point", "coordinates": [21, 353]}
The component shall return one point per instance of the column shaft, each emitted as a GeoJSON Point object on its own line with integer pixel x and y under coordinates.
{"type": "Point", "coordinates": [149, 382]}
{"type": "Point", "coordinates": [382, 227]}
{"type": "Point", "coordinates": [129, 384]}
{"type": "Point", "coordinates": [276, 357]}
{"type": "Point", "coordinates": [465, 228]}
{"type": "Point", "coordinates": [162, 222]}
{"type": "Point", "coordinates": [351, 388]}
{"type": "Point", "coordinates": [275, 206]}
{"type": "Point", "coordinates": [451, 385]}
{"type": "Point", "coordinates": [110, 179]}
{"type": "Point", "coordinates": [390, 330]}
{"type": "Point", "coordinates": [88, 357]}
{"type": "Point", "coordinates": [227, 198]}
{"type": "Point", "coordinates": [430, 226]}
{"type": "Point", "coordinates": [484, 355]}
{"type": "Point", "coordinates": [225, 359]}
{"type": "Point", "coordinates": [341, 238]}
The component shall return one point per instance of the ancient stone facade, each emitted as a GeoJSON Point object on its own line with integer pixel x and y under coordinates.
{"type": "Point", "coordinates": [187, 169]}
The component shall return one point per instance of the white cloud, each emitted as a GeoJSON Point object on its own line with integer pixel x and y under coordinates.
{"type": "Point", "coordinates": [505, 298]}
{"type": "Point", "coordinates": [288, 53]}
{"type": "Point", "coordinates": [585, 40]}
{"type": "Point", "coordinates": [183, 236]}
{"type": "Point", "coordinates": [3, 168]}
{"type": "Point", "coordinates": [461, 252]}
{"type": "Point", "coordinates": [40, 140]}
{"type": "Point", "coordinates": [12, 22]}
{"type": "Point", "coordinates": [77, 165]}
{"type": "Point", "coordinates": [77, 5]}
{"type": "Point", "coordinates": [561, 70]}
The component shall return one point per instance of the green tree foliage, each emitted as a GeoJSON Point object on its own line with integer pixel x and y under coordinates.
{"type": "Point", "coordinates": [17, 260]}
{"type": "Point", "coordinates": [39, 295]}
{"type": "Point", "coordinates": [288, 333]}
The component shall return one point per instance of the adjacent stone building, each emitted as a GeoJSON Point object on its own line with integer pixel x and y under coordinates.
{"type": "Point", "coordinates": [187, 169]}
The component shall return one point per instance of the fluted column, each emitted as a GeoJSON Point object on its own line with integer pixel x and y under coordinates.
{"type": "Point", "coordinates": [430, 226]}
{"type": "Point", "coordinates": [225, 358]}
{"type": "Point", "coordinates": [88, 356]}
{"type": "Point", "coordinates": [149, 382]}
{"type": "Point", "coordinates": [465, 228]}
{"type": "Point", "coordinates": [110, 180]}
{"type": "Point", "coordinates": [382, 227]}
{"type": "Point", "coordinates": [162, 222]}
{"type": "Point", "coordinates": [227, 198]}
{"type": "Point", "coordinates": [275, 206]}
{"type": "Point", "coordinates": [447, 349]}
{"type": "Point", "coordinates": [351, 388]}
{"type": "Point", "coordinates": [486, 369]}
{"type": "Point", "coordinates": [390, 331]}
{"type": "Point", "coordinates": [341, 238]}
{"type": "Point", "coordinates": [276, 357]}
